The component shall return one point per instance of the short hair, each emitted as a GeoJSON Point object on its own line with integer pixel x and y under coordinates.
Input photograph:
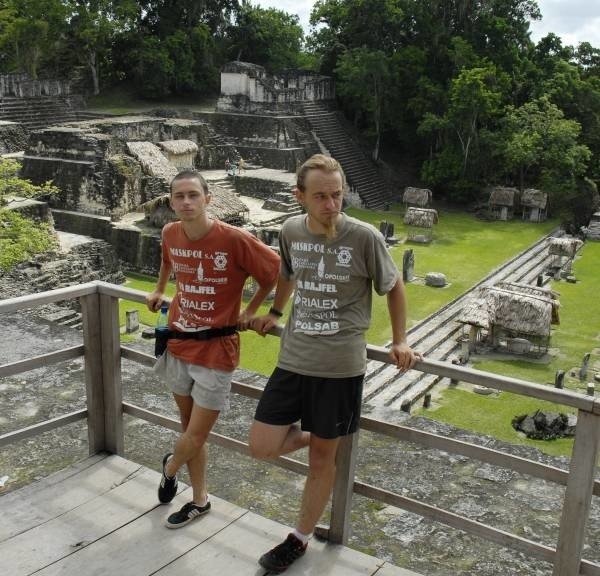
{"type": "Point", "coordinates": [319, 162]}
{"type": "Point", "coordinates": [190, 175]}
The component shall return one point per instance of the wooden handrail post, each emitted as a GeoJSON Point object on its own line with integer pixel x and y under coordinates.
{"type": "Point", "coordinates": [103, 373]}
{"type": "Point", "coordinates": [341, 503]}
{"type": "Point", "coordinates": [578, 495]}
{"type": "Point", "coordinates": [90, 309]}
{"type": "Point", "coordinates": [111, 374]}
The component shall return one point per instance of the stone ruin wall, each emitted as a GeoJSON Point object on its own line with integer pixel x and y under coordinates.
{"type": "Point", "coordinates": [90, 163]}
{"type": "Point", "coordinates": [23, 86]}
{"type": "Point", "coordinates": [281, 143]}
{"type": "Point", "coordinates": [13, 137]}
{"type": "Point", "coordinates": [248, 88]}
{"type": "Point", "coordinates": [100, 179]}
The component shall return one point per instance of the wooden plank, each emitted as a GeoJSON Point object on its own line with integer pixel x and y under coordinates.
{"type": "Point", "coordinates": [578, 495]}
{"type": "Point", "coordinates": [237, 548]}
{"type": "Point", "coordinates": [137, 356]}
{"type": "Point", "coordinates": [213, 437]}
{"type": "Point", "coordinates": [41, 361]}
{"type": "Point", "coordinates": [62, 536]}
{"type": "Point", "coordinates": [53, 496]}
{"type": "Point", "coordinates": [145, 545]}
{"type": "Point", "coordinates": [456, 521]}
{"type": "Point", "coordinates": [341, 504]}
{"type": "Point", "coordinates": [453, 446]}
{"type": "Point", "coordinates": [90, 309]}
{"type": "Point", "coordinates": [506, 383]}
{"type": "Point", "coordinates": [33, 300]}
{"type": "Point", "coordinates": [390, 570]}
{"type": "Point", "coordinates": [44, 426]}
{"type": "Point", "coordinates": [111, 375]}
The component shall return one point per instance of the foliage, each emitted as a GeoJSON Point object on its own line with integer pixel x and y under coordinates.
{"type": "Point", "coordinates": [12, 185]}
{"type": "Point", "coordinates": [258, 30]}
{"type": "Point", "coordinates": [542, 147]}
{"type": "Point", "coordinates": [20, 237]}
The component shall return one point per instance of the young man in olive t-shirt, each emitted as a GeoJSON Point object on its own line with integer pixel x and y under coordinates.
{"type": "Point", "coordinates": [331, 263]}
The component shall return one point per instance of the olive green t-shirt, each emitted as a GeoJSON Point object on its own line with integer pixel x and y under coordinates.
{"type": "Point", "coordinates": [334, 281]}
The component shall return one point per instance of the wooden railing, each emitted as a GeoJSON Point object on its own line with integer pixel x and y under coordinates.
{"type": "Point", "coordinates": [105, 407]}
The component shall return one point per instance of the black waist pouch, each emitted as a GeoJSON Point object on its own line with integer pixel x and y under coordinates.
{"type": "Point", "coordinates": [160, 344]}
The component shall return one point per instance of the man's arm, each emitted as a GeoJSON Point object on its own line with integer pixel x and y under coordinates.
{"type": "Point", "coordinates": [261, 293]}
{"type": "Point", "coordinates": [262, 324]}
{"type": "Point", "coordinates": [400, 352]}
{"type": "Point", "coordinates": [155, 299]}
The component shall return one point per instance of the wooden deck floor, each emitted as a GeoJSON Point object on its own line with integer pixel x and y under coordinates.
{"type": "Point", "coordinates": [101, 517]}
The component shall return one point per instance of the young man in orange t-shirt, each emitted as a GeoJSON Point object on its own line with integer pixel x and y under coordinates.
{"type": "Point", "coordinates": [211, 261]}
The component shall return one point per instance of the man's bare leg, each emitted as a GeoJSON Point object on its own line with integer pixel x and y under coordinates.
{"type": "Point", "coordinates": [190, 447]}
{"type": "Point", "coordinates": [319, 482]}
{"type": "Point", "coordinates": [268, 441]}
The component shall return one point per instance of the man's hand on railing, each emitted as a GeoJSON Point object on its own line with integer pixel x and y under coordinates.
{"type": "Point", "coordinates": [403, 356]}
{"type": "Point", "coordinates": [154, 300]}
{"type": "Point", "coordinates": [262, 324]}
{"type": "Point", "coordinates": [244, 321]}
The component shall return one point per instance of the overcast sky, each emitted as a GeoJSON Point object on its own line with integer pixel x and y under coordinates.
{"type": "Point", "coordinates": [573, 20]}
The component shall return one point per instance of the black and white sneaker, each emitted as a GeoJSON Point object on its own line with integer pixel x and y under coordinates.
{"type": "Point", "coordinates": [188, 512]}
{"type": "Point", "coordinates": [168, 486]}
{"type": "Point", "coordinates": [281, 557]}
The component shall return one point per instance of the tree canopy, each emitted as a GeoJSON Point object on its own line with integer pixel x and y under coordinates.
{"type": "Point", "coordinates": [457, 88]}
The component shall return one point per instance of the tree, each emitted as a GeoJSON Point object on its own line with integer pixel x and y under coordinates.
{"type": "Point", "coordinates": [154, 68]}
{"type": "Point", "coordinates": [542, 148]}
{"type": "Point", "coordinates": [269, 37]}
{"type": "Point", "coordinates": [94, 24]}
{"type": "Point", "coordinates": [363, 75]}
{"type": "Point", "coordinates": [31, 31]}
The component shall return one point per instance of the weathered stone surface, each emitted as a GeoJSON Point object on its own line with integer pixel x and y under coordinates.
{"type": "Point", "coordinates": [544, 425]}
{"type": "Point", "coordinates": [435, 279]}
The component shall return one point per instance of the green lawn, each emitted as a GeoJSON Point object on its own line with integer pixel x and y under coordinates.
{"type": "Point", "coordinates": [578, 333]}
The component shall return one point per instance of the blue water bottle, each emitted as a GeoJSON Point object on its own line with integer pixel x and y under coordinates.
{"type": "Point", "coordinates": [161, 331]}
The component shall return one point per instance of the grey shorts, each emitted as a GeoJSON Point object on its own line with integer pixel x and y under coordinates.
{"type": "Point", "coordinates": [208, 387]}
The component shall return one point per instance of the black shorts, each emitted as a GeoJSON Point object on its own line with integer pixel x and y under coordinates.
{"type": "Point", "coordinates": [327, 407]}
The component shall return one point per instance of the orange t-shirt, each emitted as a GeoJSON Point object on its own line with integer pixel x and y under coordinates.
{"type": "Point", "coordinates": [210, 275]}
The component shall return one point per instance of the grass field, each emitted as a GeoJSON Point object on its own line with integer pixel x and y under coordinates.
{"type": "Point", "coordinates": [577, 334]}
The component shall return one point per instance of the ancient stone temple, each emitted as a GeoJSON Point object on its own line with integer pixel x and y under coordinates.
{"type": "Point", "coordinates": [247, 87]}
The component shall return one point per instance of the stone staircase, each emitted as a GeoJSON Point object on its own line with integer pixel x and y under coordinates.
{"type": "Point", "coordinates": [361, 173]}
{"type": "Point", "coordinates": [280, 201]}
{"type": "Point", "coordinates": [39, 111]}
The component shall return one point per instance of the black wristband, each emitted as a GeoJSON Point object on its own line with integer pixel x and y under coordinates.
{"type": "Point", "coordinates": [275, 312]}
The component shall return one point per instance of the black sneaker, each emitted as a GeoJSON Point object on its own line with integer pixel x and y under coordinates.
{"type": "Point", "coordinates": [283, 555]}
{"type": "Point", "coordinates": [168, 486]}
{"type": "Point", "coordinates": [188, 512]}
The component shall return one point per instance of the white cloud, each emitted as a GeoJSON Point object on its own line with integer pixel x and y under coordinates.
{"type": "Point", "coordinates": [574, 21]}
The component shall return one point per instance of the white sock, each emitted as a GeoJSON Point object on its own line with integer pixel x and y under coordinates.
{"type": "Point", "coordinates": [202, 504]}
{"type": "Point", "coordinates": [166, 464]}
{"type": "Point", "coordinates": [302, 537]}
